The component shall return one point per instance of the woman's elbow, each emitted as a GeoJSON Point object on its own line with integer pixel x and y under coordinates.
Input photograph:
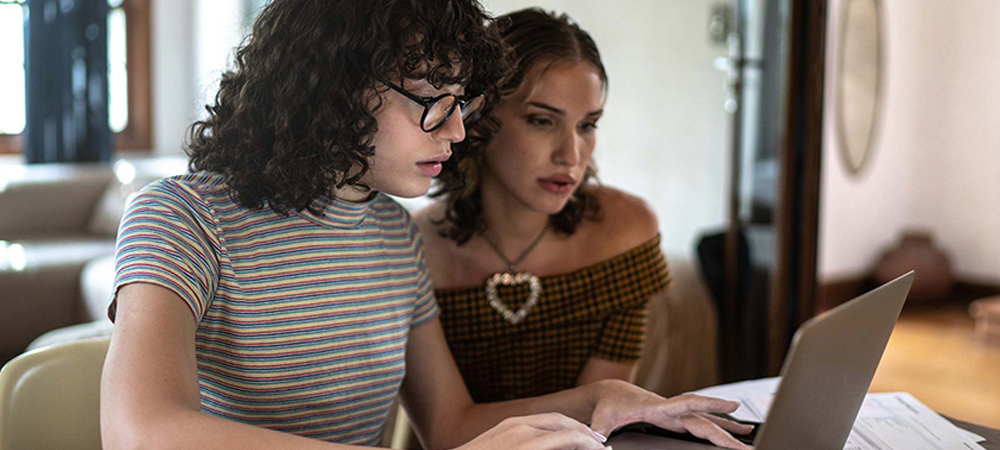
{"type": "Point", "coordinates": [132, 425]}
{"type": "Point", "coordinates": [120, 433]}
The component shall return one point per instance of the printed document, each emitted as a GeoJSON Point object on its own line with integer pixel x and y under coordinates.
{"type": "Point", "coordinates": [889, 421]}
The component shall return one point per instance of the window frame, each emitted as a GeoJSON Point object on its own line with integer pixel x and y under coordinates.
{"type": "Point", "coordinates": [138, 134]}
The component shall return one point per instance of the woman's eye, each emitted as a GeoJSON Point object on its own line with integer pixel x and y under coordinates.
{"type": "Point", "coordinates": [589, 126]}
{"type": "Point", "coordinates": [539, 121]}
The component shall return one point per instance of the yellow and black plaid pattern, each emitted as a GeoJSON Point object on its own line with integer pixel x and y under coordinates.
{"type": "Point", "coordinates": [597, 311]}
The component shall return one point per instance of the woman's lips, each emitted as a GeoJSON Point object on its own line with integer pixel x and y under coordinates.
{"type": "Point", "coordinates": [559, 184]}
{"type": "Point", "coordinates": [430, 168]}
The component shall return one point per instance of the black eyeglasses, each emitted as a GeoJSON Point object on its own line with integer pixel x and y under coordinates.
{"type": "Point", "coordinates": [439, 109]}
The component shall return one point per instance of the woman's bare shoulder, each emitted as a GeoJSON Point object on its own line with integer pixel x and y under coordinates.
{"type": "Point", "coordinates": [625, 221]}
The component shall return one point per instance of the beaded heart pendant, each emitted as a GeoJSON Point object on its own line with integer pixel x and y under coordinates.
{"type": "Point", "coordinates": [509, 279]}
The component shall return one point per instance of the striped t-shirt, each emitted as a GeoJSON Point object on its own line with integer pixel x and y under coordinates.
{"type": "Point", "coordinates": [302, 320]}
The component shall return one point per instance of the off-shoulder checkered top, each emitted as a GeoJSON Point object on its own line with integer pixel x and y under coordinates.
{"type": "Point", "coordinates": [597, 311]}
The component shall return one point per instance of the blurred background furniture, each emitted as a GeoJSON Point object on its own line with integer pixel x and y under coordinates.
{"type": "Point", "coordinates": [50, 397]}
{"type": "Point", "coordinates": [44, 243]}
{"type": "Point", "coordinates": [986, 313]}
{"type": "Point", "coordinates": [54, 220]}
{"type": "Point", "coordinates": [680, 353]}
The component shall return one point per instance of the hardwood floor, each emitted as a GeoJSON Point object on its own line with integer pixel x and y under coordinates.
{"type": "Point", "coordinates": [934, 354]}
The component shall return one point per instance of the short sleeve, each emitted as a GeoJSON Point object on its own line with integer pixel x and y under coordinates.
{"type": "Point", "coordinates": [426, 307]}
{"type": "Point", "coordinates": [643, 275]}
{"type": "Point", "coordinates": [168, 238]}
{"type": "Point", "coordinates": [622, 337]}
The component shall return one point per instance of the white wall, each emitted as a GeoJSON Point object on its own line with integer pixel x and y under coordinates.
{"type": "Point", "coordinates": [173, 73]}
{"type": "Point", "coordinates": [663, 133]}
{"type": "Point", "coordinates": [936, 161]}
{"type": "Point", "coordinates": [192, 42]}
{"type": "Point", "coordinates": [219, 29]}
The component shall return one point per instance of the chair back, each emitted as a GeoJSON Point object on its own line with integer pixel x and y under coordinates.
{"type": "Point", "coordinates": [50, 397]}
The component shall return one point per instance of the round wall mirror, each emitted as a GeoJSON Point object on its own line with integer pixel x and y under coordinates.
{"type": "Point", "coordinates": [859, 80]}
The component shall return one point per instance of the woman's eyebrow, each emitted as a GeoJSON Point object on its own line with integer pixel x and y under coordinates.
{"type": "Point", "coordinates": [547, 107]}
{"type": "Point", "coordinates": [561, 112]}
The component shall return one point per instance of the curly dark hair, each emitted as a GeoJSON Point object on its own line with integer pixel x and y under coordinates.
{"type": "Point", "coordinates": [535, 37]}
{"type": "Point", "coordinates": [294, 119]}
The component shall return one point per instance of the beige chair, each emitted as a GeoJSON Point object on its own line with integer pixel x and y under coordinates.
{"type": "Point", "coordinates": [680, 353]}
{"type": "Point", "coordinates": [49, 397]}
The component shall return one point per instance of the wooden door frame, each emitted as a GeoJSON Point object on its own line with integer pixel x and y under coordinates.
{"type": "Point", "coordinates": [794, 284]}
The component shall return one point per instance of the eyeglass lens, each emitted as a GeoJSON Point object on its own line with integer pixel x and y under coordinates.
{"type": "Point", "coordinates": [441, 110]}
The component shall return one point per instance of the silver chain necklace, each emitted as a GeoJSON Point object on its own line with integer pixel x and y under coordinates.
{"type": "Point", "coordinates": [512, 278]}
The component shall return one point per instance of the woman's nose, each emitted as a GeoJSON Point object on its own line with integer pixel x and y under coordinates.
{"type": "Point", "coordinates": [453, 129]}
{"type": "Point", "coordinates": [568, 152]}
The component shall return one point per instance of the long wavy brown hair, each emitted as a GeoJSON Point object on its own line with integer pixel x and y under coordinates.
{"type": "Point", "coordinates": [535, 37]}
{"type": "Point", "coordinates": [294, 119]}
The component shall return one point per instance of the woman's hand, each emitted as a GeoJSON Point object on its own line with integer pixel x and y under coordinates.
{"type": "Point", "coordinates": [550, 431]}
{"type": "Point", "coordinates": [621, 403]}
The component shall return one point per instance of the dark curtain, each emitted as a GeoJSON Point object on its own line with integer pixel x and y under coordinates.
{"type": "Point", "coordinates": [66, 59]}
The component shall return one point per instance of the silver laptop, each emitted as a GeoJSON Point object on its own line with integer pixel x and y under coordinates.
{"type": "Point", "coordinates": [825, 377]}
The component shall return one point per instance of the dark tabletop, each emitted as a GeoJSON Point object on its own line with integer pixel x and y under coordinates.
{"type": "Point", "coordinates": [633, 441]}
{"type": "Point", "coordinates": [992, 435]}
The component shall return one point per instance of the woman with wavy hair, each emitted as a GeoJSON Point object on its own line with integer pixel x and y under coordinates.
{"type": "Point", "coordinates": [549, 271]}
{"type": "Point", "coordinates": [275, 297]}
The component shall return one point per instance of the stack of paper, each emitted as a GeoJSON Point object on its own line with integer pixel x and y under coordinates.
{"type": "Point", "coordinates": [890, 421]}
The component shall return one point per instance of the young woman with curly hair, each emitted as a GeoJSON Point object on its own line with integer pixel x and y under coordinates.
{"type": "Point", "coordinates": [274, 297]}
{"type": "Point", "coordinates": [542, 275]}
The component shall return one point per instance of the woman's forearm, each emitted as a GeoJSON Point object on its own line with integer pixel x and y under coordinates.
{"type": "Point", "coordinates": [577, 403]}
{"type": "Point", "coordinates": [597, 369]}
{"type": "Point", "coordinates": [185, 429]}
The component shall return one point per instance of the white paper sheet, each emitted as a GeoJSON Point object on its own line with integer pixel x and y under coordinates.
{"type": "Point", "coordinates": [889, 421]}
